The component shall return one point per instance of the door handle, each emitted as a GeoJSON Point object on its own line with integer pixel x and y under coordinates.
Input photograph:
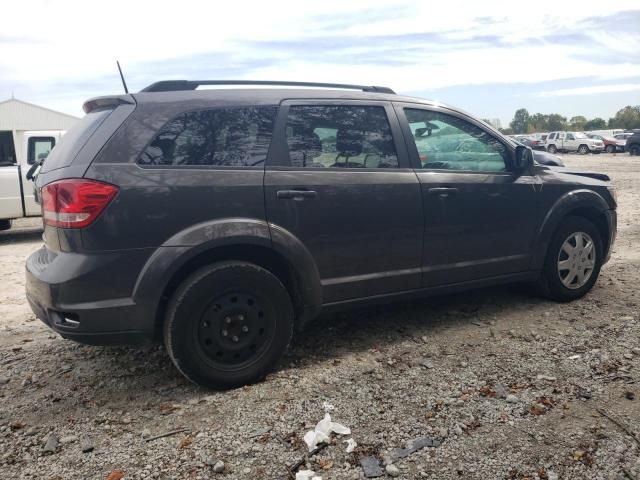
{"type": "Point", "coordinates": [443, 191]}
{"type": "Point", "coordinates": [296, 194]}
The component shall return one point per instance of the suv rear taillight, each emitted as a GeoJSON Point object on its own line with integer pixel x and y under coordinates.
{"type": "Point", "coordinates": [76, 202]}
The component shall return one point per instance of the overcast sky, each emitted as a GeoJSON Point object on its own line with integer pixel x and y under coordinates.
{"type": "Point", "coordinates": [488, 57]}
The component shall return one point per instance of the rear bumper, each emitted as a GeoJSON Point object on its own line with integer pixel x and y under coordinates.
{"type": "Point", "coordinates": [55, 285]}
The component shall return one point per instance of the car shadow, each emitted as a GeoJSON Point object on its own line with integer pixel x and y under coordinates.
{"type": "Point", "coordinates": [360, 329]}
{"type": "Point", "coordinates": [120, 375]}
{"type": "Point", "coordinates": [22, 235]}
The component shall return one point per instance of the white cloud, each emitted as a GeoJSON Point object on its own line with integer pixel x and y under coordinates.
{"type": "Point", "coordinates": [45, 43]}
{"type": "Point", "coordinates": [622, 87]}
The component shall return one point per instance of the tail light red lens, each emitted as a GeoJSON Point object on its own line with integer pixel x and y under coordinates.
{"type": "Point", "coordinates": [75, 202]}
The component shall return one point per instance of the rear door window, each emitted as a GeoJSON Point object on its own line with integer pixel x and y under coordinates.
{"type": "Point", "coordinates": [340, 136]}
{"type": "Point", "coordinates": [224, 137]}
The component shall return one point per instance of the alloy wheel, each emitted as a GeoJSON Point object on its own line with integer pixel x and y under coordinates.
{"type": "Point", "coordinates": [576, 260]}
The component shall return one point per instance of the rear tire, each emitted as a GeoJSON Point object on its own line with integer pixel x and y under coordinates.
{"type": "Point", "coordinates": [228, 324]}
{"type": "Point", "coordinates": [634, 150]}
{"type": "Point", "coordinates": [556, 276]}
{"type": "Point", "coordinates": [552, 149]}
{"type": "Point", "coordinates": [5, 224]}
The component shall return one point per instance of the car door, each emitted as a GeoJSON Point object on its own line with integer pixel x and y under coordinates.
{"type": "Point", "coordinates": [560, 141]}
{"type": "Point", "coordinates": [570, 142]}
{"type": "Point", "coordinates": [338, 178]}
{"type": "Point", "coordinates": [38, 148]}
{"type": "Point", "coordinates": [480, 217]}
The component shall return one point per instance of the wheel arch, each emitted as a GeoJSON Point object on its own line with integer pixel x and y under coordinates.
{"type": "Point", "coordinates": [582, 203]}
{"type": "Point", "coordinates": [231, 239]}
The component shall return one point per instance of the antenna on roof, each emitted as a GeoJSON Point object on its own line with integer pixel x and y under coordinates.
{"type": "Point", "coordinates": [124, 84]}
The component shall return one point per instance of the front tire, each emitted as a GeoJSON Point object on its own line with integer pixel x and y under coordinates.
{"type": "Point", "coordinates": [634, 150]}
{"type": "Point", "coordinates": [5, 224]}
{"type": "Point", "coordinates": [228, 324]}
{"type": "Point", "coordinates": [610, 149]}
{"type": "Point", "coordinates": [573, 260]}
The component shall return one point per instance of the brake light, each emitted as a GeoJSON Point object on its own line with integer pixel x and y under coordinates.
{"type": "Point", "coordinates": [75, 202]}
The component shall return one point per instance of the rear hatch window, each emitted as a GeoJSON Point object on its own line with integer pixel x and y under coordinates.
{"type": "Point", "coordinates": [73, 141]}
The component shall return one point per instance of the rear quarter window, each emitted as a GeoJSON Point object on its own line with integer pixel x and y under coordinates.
{"type": "Point", "coordinates": [223, 137]}
{"type": "Point", "coordinates": [72, 142]}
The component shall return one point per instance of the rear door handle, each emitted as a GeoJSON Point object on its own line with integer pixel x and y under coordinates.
{"type": "Point", "coordinates": [296, 194]}
{"type": "Point", "coordinates": [443, 191]}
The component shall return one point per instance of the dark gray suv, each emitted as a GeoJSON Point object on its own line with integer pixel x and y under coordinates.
{"type": "Point", "coordinates": [223, 219]}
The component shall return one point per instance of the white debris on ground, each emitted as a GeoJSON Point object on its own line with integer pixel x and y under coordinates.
{"type": "Point", "coordinates": [401, 377]}
{"type": "Point", "coordinates": [322, 432]}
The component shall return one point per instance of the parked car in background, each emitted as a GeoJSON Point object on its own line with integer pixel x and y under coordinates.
{"type": "Point", "coordinates": [611, 145]}
{"type": "Point", "coordinates": [527, 141]}
{"type": "Point", "coordinates": [223, 220]}
{"type": "Point", "coordinates": [607, 133]}
{"type": "Point", "coordinates": [541, 157]}
{"type": "Point", "coordinates": [573, 142]}
{"type": "Point", "coordinates": [633, 144]}
{"type": "Point", "coordinates": [16, 192]}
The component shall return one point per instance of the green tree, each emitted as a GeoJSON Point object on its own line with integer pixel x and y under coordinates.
{"type": "Point", "coordinates": [506, 131]}
{"type": "Point", "coordinates": [520, 121]}
{"type": "Point", "coordinates": [627, 117]}
{"type": "Point", "coordinates": [538, 122]}
{"type": "Point", "coordinates": [595, 124]}
{"type": "Point", "coordinates": [577, 123]}
{"type": "Point", "coordinates": [556, 121]}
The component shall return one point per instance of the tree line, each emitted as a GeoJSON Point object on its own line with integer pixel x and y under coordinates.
{"type": "Point", "coordinates": [523, 122]}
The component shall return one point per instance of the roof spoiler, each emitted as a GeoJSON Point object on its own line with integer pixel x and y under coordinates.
{"type": "Point", "coordinates": [107, 102]}
{"type": "Point", "coordinates": [180, 85]}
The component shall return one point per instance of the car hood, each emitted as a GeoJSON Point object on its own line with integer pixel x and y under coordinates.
{"type": "Point", "coordinates": [582, 173]}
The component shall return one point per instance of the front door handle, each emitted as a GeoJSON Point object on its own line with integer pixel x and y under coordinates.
{"type": "Point", "coordinates": [443, 191]}
{"type": "Point", "coordinates": [296, 194]}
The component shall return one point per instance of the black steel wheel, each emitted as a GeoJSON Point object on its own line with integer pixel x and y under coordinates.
{"type": "Point", "coordinates": [228, 324]}
{"type": "Point", "coordinates": [234, 329]}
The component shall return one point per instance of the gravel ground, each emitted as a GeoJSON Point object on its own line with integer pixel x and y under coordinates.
{"type": "Point", "coordinates": [513, 386]}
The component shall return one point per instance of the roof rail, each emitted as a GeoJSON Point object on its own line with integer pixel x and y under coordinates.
{"type": "Point", "coordinates": [177, 85]}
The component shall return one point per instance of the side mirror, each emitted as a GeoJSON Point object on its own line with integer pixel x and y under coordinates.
{"type": "Point", "coordinates": [523, 159]}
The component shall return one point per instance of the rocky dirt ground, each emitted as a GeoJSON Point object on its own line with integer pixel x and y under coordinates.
{"type": "Point", "coordinates": [513, 386]}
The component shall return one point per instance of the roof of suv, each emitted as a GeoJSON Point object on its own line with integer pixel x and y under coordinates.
{"type": "Point", "coordinates": [276, 95]}
{"type": "Point", "coordinates": [263, 91]}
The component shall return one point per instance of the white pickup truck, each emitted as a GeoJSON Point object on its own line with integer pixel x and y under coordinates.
{"type": "Point", "coordinates": [573, 142]}
{"type": "Point", "coordinates": [16, 192]}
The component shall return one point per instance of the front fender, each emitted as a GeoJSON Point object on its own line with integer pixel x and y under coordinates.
{"type": "Point", "coordinates": [565, 205]}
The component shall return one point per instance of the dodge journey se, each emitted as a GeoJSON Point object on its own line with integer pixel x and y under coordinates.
{"type": "Point", "coordinates": [221, 220]}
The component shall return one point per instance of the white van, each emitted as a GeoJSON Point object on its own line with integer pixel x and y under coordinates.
{"type": "Point", "coordinates": [17, 198]}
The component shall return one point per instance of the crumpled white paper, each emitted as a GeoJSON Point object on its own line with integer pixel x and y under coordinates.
{"type": "Point", "coordinates": [351, 445]}
{"type": "Point", "coordinates": [307, 475]}
{"type": "Point", "coordinates": [323, 429]}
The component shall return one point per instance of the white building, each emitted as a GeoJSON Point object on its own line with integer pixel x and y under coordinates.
{"type": "Point", "coordinates": [17, 116]}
